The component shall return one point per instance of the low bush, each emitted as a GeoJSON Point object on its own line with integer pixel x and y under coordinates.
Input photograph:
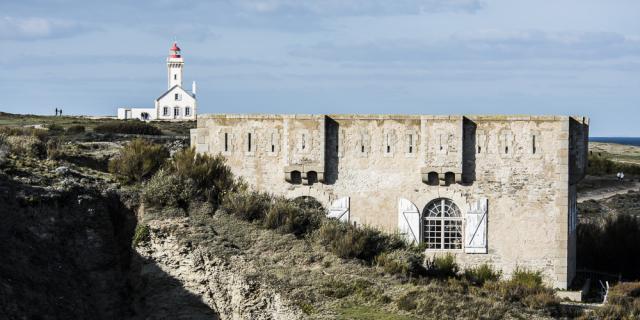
{"type": "Point", "coordinates": [408, 301]}
{"type": "Point", "coordinates": [138, 160]}
{"type": "Point", "coordinates": [26, 146]}
{"type": "Point", "coordinates": [364, 243]}
{"type": "Point", "coordinates": [128, 127]}
{"type": "Point", "coordinates": [600, 166]}
{"type": "Point", "coordinates": [247, 205]}
{"type": "Point", "coordinates": [55, 128]}
{"type": "Point", "coordinates": [4, 149]}
{"type": "Point", "coordinates": [40, 134]}
{"type": "Point", "coordinates": [337, 289]}
{"type": "Point", "coordinates": [54, 150]}
{"type": "Point", "coordinates": [140, 235]}
{"type": "Point", "coordinates": [526, 287]}
{"type": "Point", "coordinates": [166, 189]}
{"type": "Point", "coordinates": [623, 302]}
{"type": "Point", "coordinates": [211, 176]}
{"type": "Point", "coordinates": [288, 216]}
{"type": "Point", "coordinates": [481, 274]}
{"type": "Point", "coordinates": [76, 129]}
{"type": "Point", "coordinates": [442, 266]}
{"type": "Point", "coordinates": [402, 262]}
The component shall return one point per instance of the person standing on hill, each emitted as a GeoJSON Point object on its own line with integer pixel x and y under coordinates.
{"type": "Point", "coordinates": [56, 111]}
{"type": "Point", "coordinates": [621, 176]}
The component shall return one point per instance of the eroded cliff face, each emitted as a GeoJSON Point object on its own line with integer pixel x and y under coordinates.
{"type": "Point", "coordinates": [208, 267]}
{"type": "Point", "coordinates": [64, 253]}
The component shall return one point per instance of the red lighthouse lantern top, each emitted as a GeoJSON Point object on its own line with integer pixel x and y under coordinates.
{"type": "Point", "coordinates": [175, 51]}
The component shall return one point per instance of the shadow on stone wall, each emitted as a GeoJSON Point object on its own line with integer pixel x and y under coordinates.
{"type": "Point", "coordinates": [469, 147]}
{"type": "Point", "coordinates": [67, 255]}
{"type": "Point", "coordinates": [331, 155]}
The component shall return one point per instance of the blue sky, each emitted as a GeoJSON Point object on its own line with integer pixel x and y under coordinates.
{"type": "Point", "coordinates": [329, 56]}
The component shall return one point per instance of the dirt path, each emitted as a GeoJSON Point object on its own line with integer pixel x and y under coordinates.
{"type": "Point", "coordinates": [608, 193]}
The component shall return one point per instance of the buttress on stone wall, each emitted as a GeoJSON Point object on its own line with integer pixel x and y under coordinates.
{"type": "Point", "coordinates": [512, 178]}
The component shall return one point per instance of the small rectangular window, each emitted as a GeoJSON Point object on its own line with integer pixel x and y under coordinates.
{"type": "Point", "coordinates": [226, 141]}
{"type": "Point", "coordinates": [165, 111]}
{"type": "Point", "coordinates": [175, 77]}
{"type": "Point", "coordinates": [303, 142]}
{"type": "Point", "coordinates": [249, 142]}
{"type": "Point", "coordinates": [187, 111]}
{"type": "Point", "coordinates": [410, 143]}
{"type": "Point", "coordinates": [479, 149]}
{"type": "Point", "coordinates": [533, 144]}
{"type": "Point", "coordinates": [388, 143]}
{"type": "Point", "coordinates": [176, 112]}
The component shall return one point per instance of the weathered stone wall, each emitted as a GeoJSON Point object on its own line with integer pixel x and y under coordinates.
{"type": "Point", "coordinates": [525, 167]}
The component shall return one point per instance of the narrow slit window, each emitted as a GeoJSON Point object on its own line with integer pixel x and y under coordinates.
{"type": "Point", "coordinates": [533, 144]}
{"type": "Point", "coordinates": [175, 77]}
{"type": "Point", "coordinates": [303, 142]}
{"type": "Point", "coordinates": [410, 143]}
{"type": "Point", "coordinates": [249, 142]}
{"type": "Point", "coordinates": [479, 149]}
{"type": "Point", "coordinates": [226, 141]}
{"type": "Point", "coordinates": [506, 149]}
{"type": "Point", "coordinates": [273, 142]}
{"type": "Point", "coordinates": [388, 144]}
{"type": "Point", "coordinates": [362, 148]}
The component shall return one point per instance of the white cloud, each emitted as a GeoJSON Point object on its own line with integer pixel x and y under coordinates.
{"type": "Point", "coordinates": [358, 7]}
{"type": "Point", "coordinates": [12, 28]}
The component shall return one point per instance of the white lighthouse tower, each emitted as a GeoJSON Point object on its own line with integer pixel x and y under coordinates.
{"type": "Point", "coordinates": [175, 63]}
{"type": "Point", "coordinates": [174, 104]}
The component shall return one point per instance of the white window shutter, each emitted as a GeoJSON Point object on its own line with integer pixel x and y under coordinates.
{"type": "Point", "coordinates": [476, 227]}
{"type": "Point", "coordinates": [339, 209]}
{"type": "Point", "coordinates": [409, 221]}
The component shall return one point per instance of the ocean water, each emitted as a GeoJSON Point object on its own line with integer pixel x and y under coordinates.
{"type": "Point", "coordinates": [632, 141]}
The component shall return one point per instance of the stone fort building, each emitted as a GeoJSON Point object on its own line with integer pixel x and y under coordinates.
{"type": "Point", "coordinates": [494, 189]}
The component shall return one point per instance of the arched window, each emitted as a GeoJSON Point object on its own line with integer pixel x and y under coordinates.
{"type": "Point", "coordinates": [442, 225]}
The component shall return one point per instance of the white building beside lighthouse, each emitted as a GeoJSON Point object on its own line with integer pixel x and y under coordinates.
{"type": "Point", "coordinates": [175, 104]}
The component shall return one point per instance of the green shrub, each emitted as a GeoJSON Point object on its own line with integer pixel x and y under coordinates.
{"type": "Point", "coordinates": [141, 234]}
{"type": "Point", "coordinates": [337, 289]}
{"type": "Point", "coordinates": [480, 274]}
{"type": "Point", "coordinates": [166, 189]}
{"type": "Point", "coordinates": [289, 216]}
{"type": "Point", "coordinates": [128, 127]}
{"type": "Point", "coordinates": [138, 160]}
{"type": "Point", "coordinates": [526, 287]}
{"type": "Point", "coordinates": [347, 241]}
{"type": "Point", "coordinates": [600, 166]}
{"type": "Point", "coordinates": [247, 205]}
{"type": "Point", "coordinates": [442, 266]}
{"type": "Point", "coordinates": [39, 134]}
{"type": "Point", "coordinates": [54, 148]}
{"type": "Point", "coordinates": [26, 146]}
{"type": "Point", "coordinates": [55, 128]}
{"type": "Point", "coordinates": [408, 301]}
{"type": "Point", "coordinates": [623, 302]}
{"type": "Point", "coordinates": [402, 262]}
{"type": "Point", "coordinates": [210, 174]}
{"type": "Point", "coordinates": [4, 149]}
{"type": "Point", "coordinates": [76, 129]}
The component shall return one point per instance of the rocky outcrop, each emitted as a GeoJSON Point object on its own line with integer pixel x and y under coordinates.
{"type": "Point", "coordinates": [226, 283]}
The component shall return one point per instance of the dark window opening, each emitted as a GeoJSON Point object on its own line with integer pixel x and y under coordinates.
{"type": "Point", "coordinates": [388, 149]}
{"type": "Point", "coordinates": [226, 141]}
{"type": "Point", "coordinates": [273, 148]}
{"type": "Point", "coordinates": [312, 177]}
{"type": "Point", "coordinates": [534, 144]}
{"type": "Point", "coordinates": [410, 149]}
{"type": "Point", "coordinates": [296, 177]}
{"type": "Point", "coordinates": [433, 179]}
{"type": "Point", "coordinates": [175, 77]}
{"type": "Point", "coordinates": [506, 149]}
{"type": "Point", "coordinates": [249, 142]}
{"type": "Point", "coordinates": [362, 149]}
{"type": "Point", "coordinates": [479, 149]}
{"type": "Point", "coordinates": [449, 178]}
{"type": "Point", "coordinates": [303, 142]}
